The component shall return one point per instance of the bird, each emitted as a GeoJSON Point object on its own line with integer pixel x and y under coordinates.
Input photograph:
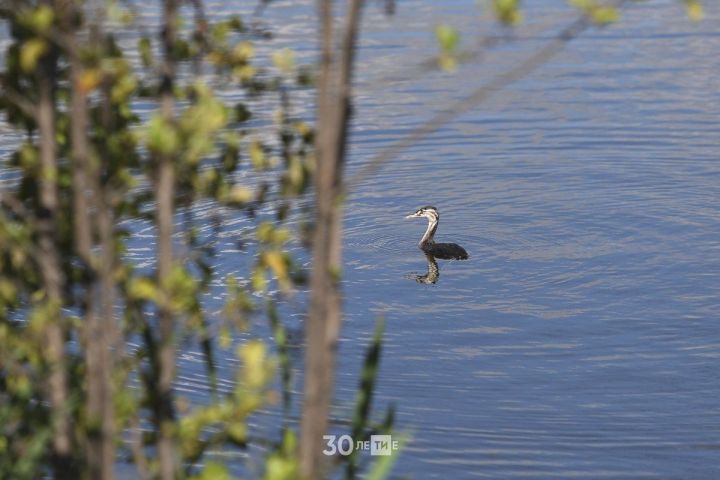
{"type": "Point", "coordinates": [446, 251]}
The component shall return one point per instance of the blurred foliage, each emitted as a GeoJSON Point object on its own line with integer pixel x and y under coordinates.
{"type": "Point", "coordinates": [213, 147]}
{"type": "Point", "coordinates": [695, 10]}
{"type": "Point", "coordinates": [598, 12]}
{"type": "Point", "coordinates": [448, 39]}
{"type": "Point", "coordinates": [362, 426]}
{"type": "Point", "coordinates": [507, 11]}
{"type": "Point", "coordinates": [218, 157]}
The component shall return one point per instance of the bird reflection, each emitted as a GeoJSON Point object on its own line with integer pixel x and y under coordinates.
{"type": "Point", "coordinates": [433, 272]}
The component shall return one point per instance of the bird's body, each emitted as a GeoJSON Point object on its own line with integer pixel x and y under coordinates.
{"type": "Point", "coordinates": [447, 251]}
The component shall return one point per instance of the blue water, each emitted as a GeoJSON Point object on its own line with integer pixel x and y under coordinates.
{"type": "Point", "coordinates": [581, 340]}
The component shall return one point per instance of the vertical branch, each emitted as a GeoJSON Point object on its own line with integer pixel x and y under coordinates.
{"type": "Point", "coordinates": [83, 196]}
{"type": "Point", "coordinates": [108, 340]}
{"type": "Point", "coordinates": [165, 194]}
{"type": "Point", "coordinates": [100, 441]}
{"type": "Point", "coordinates": [112, 349]}
{"type": "Point", "coordinates": [316, 401]}
{"type": "Point", "coordinates": [199, 35]}
{"type": "Point", "coordinates": [49, 263]}
{"type": "Point", "coordinates": [324, 318]}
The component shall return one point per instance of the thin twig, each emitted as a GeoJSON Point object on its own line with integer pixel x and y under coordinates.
{"type": "Point", "coordinates": [12, 203]}
{"type": "Point", "coordinates": [138, 449]}
{"type": "Point", "coordinates": [19, 101]}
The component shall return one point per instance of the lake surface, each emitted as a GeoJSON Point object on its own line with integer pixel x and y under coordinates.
{"type": "Point", "coordinates": [582, 337]}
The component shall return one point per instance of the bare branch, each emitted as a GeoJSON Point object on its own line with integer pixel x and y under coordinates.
{"type": "Point", "coordinates": [325, 314]}
{"type": "Point", "coordinates": [50, 265]}
{"type": "Point", "coordinates": [13, 204]}
{"type": "Point", "coordinates": [165, 196]}
{"type": "Point", "coordinates": [482, 93]}
{"type": "Point", "coordinates": [137, 446]}
{"type": "Point", "coordinates": [19, 101]}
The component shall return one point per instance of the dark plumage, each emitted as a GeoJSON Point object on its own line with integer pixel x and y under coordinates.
{"type": "Point", "coordinates": [446, 251]}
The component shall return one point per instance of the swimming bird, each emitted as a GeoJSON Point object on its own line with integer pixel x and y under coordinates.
{"type": "Point", "coordinates": [447, 251]}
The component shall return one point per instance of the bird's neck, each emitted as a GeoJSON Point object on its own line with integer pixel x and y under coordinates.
{"type": "Point", "coordinates": [429, 233]}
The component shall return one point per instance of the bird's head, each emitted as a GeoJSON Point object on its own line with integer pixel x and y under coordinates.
{"type": "Point", "coordinates": [430, 213]}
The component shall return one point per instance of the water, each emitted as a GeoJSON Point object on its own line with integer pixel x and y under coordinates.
{"type": "Point", "coordinates": [581, 339]}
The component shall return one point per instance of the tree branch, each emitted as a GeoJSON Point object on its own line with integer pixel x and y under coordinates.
{"type": "Point", "coordinates": [165, 195]}
{"type": "Point", "coordinates": [482, 93]}
{"type": "Point", "coordinates": [325, 314]}
{"type": "Point", "coordinates": [18, 101]}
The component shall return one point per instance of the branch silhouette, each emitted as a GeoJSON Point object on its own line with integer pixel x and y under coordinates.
{"type": "Point", "coordinates": [479, 95]}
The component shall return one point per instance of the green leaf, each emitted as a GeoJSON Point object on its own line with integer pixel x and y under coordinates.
{"type": "Point", "coordinates": [124, 86]}
{"type": "Point", "coordinates": [42, 19]}
{"type": "Point", "coordinates": [295, 175]}
{"type": "Point", "coordinates": [695, 10]}
{"type": "Point", "coordinates": [604, 15]}
{"type": "Point", "coordinates": [143, 288]}
{"type": "Point", "coordinates": [28, 157]}
{"type": "Point", "coordinates": [200, 123]}
{"type": "Point", "coordinates": [257, 155]}
{"type": "Point", "coordinates": [507, 11]}
{"type": "Point", "coordinates": [256, 367]}
{"type": "Point", "coordinates": [213, 471]}
{"type": "Point", "coordinates": [382, 466]}
{"type": "Point", "coordinates": [243, 51]}
{"type": "Point", "coordinates": [30, 53]}
{"type": "Point", "coordinates": [280, 466]}
{"type": "Point", "coordinates": [239, 194]}
{"type": "Point", "coordinates": [267, 233]}
{"type": "Point", "coordinates": [259, 279]}
{"type": "Point", "coordinates": [584, 5]}
{"type": "Point", "coordinates": [448, 63]}
{"type": "Point", "coordinates": [598, 13]}
{"type": "Point", "coordinates": [284, 60]}
{"type": "Point", "coordinates": [145, 49]}
{"type": "Point", "coordinates": [235, 23]}
{"type": "Point", "coordinates": [447, 37]}
{"type": "Point", "coordinates": [161, 137]}
{"type": "Point", "coordinates": [183, 289]}
{"type": "Point", "coordinates": [364, 396]}
{"type": "Point", "coordinates": [280, 266]}
{"type": "Point", "coordinates": [219, 32]}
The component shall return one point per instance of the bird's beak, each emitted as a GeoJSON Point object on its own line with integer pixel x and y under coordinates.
{"type": "Point", "coordinates": [412, 215]}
